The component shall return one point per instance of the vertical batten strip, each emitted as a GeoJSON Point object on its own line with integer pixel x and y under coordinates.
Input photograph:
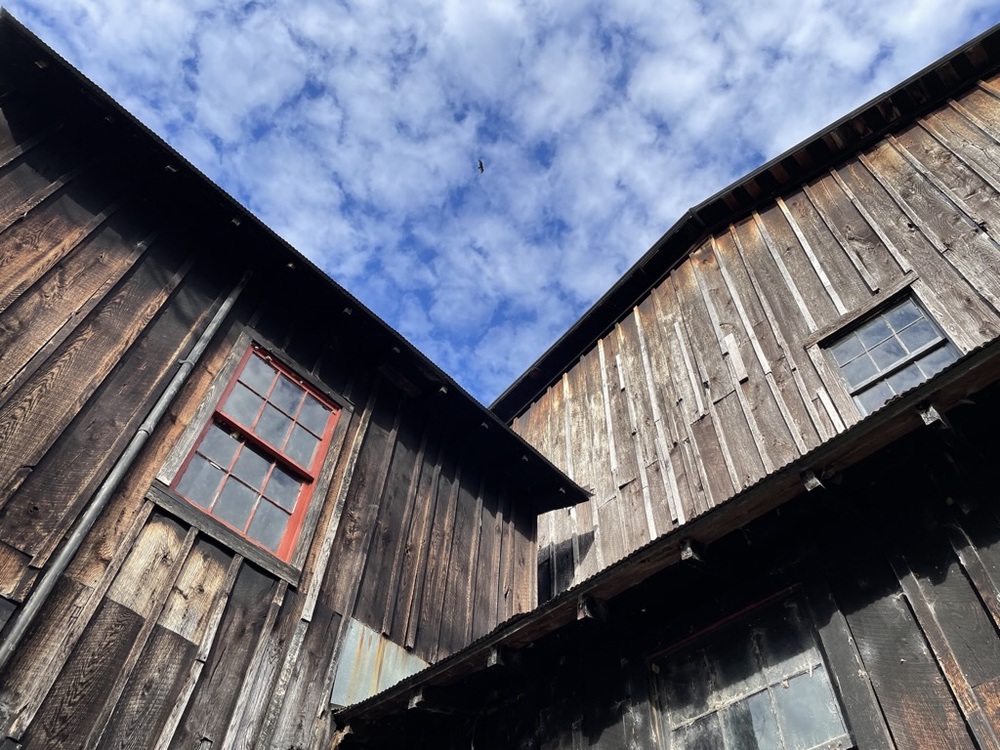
{"type": "Point", "coordinates": [835, 230]}
{"type": "Point", "coordinates": [813, 258]}
{"type": "Point", "coordinates": [785, 273]}
{"type": "Point", "coordinates": [677, 514]}
{"type": "Point", "coordinates": [895, 252]}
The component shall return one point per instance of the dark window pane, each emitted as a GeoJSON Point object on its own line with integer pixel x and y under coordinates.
{"type": "Point", "coordinates": [251, 467]}
{"type": "Point", "coordinates": [937, 360]}
{"type": "Point", "coordinates": [219, 445]}
{"type": "Point", "coordinates": [902, 315]}
{"type": "Point", "coordinates": [874, 332]}
{"type": "Point", "coordinates": [314, 416]}
{"type": "Point", "coordinates": [735, 667]}
{"type": "Point", "coordinates": [888, 353]}
{"type": "Point", "coordinates": [919, 334]}
{"type": "Point", "coordinates": [808, 711]}
{"type": "Point", "coordinates": [243, 405]}
{"type": "Point", "coordinates": [258, 374]}
{"type": "Point", "coordinates": [283, 488]}
{"type": "Point", "coordinates": [873, 397]}
{"type": "Point", "coordinates": [704, 734]}
{"type": "Point", "coordinates": [301, 446]}
{"type": "Point", "coordinates": [847, 349]}
{"type": "Point", "coordinates": [685, 686]}
{"type": "Point", "coordinates": [286, 396]}
{"type": "Point", "coordinates": [784, 643]}
{"type": "Point", "coordinates": [859, 370]}
{"type": "Point", "coordinates": [200, 481]}
{"type": "Point", "coordinates": [765, 723]}
{"type": "Point", "coordinates": [273, 426]}
{"type": "Point", "coordinates": [905, 379]}
{"type": "Point", "coordinates": [268, 525]}
{"type": "Point", "coordinates": [235, 503]}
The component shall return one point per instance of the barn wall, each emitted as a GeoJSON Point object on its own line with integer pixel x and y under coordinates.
{"type": "Point", "coordinates": [715, 379]}
{"type": "Point", "coordinates": [893, 567]}
{"type": "Point", "coordinates": [158, 635]}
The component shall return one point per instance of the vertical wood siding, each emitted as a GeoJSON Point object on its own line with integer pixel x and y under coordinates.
{"type": "Point", "coordinates": [714, 380]}
{"type": "Point", "coordinates": [158, 636]}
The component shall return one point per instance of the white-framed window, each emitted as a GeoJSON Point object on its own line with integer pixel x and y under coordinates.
{"type": "Point", "coordinates": [894, 350]}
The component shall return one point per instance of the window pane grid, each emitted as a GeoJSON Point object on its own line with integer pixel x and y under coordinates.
{"type": "Point", "coordinates": [253, 466]}
{"type": "Point", "coordinates": [891, 353]}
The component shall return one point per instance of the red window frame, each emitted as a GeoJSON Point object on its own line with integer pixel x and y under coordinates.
{"type": "Point", "coordinates": [246, 435]}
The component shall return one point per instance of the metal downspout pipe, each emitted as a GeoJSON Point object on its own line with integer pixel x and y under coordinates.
{"type": "Point", "coordinates": [22, 621]}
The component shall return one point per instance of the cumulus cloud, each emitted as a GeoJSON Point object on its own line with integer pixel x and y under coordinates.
{"type": "Point", "coordinates": [354, 128]}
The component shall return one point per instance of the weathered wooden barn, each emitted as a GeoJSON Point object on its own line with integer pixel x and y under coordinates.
{"type": "Point", "coordinates": [230, 494]}
{"type": "Point", "coordinates": [745, 502]}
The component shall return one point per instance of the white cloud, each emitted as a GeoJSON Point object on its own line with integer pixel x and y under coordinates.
{"type": "Point", "coordinates": [354, 128]}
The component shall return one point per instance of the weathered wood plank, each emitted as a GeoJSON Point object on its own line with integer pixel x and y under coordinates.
{"type": "Point", "coordinates": [413, 561]}
{"type": "Point", "coordinates": [31, 421]}
{"type": "Point", "coordinates": [200, 583]}
{"type": "Point", "coordinates": [73, 706]}
{"type": "Point", "coordinates": [150, 692]}
{"type": "Point", "coordinates": [362, 504]}
{"type": "Point", "coordinates": [214, 698]}
{"type": "Point", "coordinates": [423, 638]}
{"type": "Point", "coordinates": [914, 698]}
{"type": "Point", "coordinates": [457, 602]}
{"type": "Point", "coordinates": [484, 575]}
{"type": "Point", "coordinates": [50, 497]}
{"type": "Point", "coordinates": [374, 590]}
{"type": "Point", "coordinates": [963, 315]}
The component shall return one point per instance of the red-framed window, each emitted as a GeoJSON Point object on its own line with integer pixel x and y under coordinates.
{"type": "Point", "coordinates": [255, 464]}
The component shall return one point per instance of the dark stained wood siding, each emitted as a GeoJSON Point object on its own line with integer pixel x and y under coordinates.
{"type": "Point", "coordinates": [157, 634]}
{"type": "Point", "coordinates": [894, 571]}
{"type": "Point", "coordinates": [715, 379]}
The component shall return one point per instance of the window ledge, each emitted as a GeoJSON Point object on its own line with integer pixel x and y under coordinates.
{"type": "Point", "coordinates": [173, 503]}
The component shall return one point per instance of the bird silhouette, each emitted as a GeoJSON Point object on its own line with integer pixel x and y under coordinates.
{"type": "Point", "coordinates": [482, 167]}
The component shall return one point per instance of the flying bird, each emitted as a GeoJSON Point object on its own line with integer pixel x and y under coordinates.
{"type": "Point", "coordinates": [482, 167]}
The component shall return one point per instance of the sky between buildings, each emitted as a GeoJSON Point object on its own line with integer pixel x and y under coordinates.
{"type": "Point", "coordinates": [354, 129]}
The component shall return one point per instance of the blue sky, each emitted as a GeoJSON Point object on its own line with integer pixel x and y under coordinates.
{"type": "Point", "coordinates": [354, 130]}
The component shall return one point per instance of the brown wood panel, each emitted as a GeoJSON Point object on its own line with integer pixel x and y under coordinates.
{"type": "Point", "coordinates": [770, 425]}
{"type": "Point", "coordinates": [19, 683]}
{"type": "Point", "coordinates": [853, 233]}
{"type": "Point", "coordinates": [424, 638]}
{"type": "Point", "coordinates": [28, 176]}
{"type": "Point", "coordinates": [964, 316]}
{"type": "Point", "coordinates": [362, 504]}
{"type": "Point", "coordinates": [50, 232]}
{"type": "Point", "coordinates": [915, 700]}
{"type": "Point", "coordinates": [456, 622]}
{"type": "Point", "coordinates": [201, 582]}
{"type": "Point", "coordinates": [968, 142]}
{"type": "Point", "coordinates": [812, 232]}
{"type": "Point", "coordinates": [787, 324]}
{"type": "Point", "coordinates": [375, 590]}
{"type": "Point", "coordinates": [30, 421]}
{"type": "Point", "coordinates": [951, 232]}
{"type": "Point", "coordinates": [673, 388]}
{"type": "Point", "coordinates": [413, 561]}
{"type": "Point", "coordinates": [15, 573]}
{"type": "Point", "coordinates": [150, 692]}
{"type": "Point", "coordinates": [50, 310]}
{"type": "Point", "coordinates": [48, 501]}
{"type": "Point", "coordinates": [524, 559]}
{"type": "Point", "coordinates": [308, 694]}
{"type": "Point", "coordinates": [484, 575]}
{"type": "Point", "coordinates": [78, 696]}
{"type": "Point", "coordinates": [214, 698]}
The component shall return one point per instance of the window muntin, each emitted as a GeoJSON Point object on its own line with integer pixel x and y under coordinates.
{"type": "Point", "coordinates": [759, 682]}
{"type": "Point", "coordinates": [891, 353]}
{"type": "Point", "coordinates": [255, 464]}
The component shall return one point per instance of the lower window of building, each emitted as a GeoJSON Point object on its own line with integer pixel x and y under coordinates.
{"type": "Point", "coordinates": [755, 684]}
